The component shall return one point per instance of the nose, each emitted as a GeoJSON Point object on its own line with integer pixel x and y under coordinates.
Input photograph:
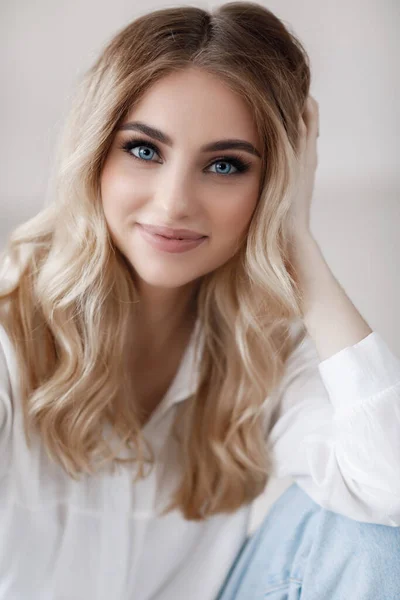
{"type": "Point", "coordinates": [174, 194]}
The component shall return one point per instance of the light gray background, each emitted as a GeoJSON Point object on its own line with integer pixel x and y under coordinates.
{"type": "Point", "coordinates": [354, 50]}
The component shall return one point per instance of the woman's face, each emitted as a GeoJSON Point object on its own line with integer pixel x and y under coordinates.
{"type": "Point", "coordinates": [177, 183]}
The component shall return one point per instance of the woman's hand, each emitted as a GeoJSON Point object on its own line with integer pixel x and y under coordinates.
{"type": "Point", "coordinates": [307, 165]}
{"type": "Point", "coordinates": [332, 320]}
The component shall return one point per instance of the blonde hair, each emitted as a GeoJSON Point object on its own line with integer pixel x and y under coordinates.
{"type": "Point", "coordinates": [69, 308]}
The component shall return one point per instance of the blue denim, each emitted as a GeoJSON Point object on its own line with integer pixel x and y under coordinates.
{"type": "Point", "coordinates": [302, 551]}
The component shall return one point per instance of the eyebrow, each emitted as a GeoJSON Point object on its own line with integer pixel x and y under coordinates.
{"type": "Point", "coordinates": [165, 139]}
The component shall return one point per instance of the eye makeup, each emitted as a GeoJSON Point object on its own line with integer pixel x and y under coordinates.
{"type": "Point", "coordinates": [240, 165]}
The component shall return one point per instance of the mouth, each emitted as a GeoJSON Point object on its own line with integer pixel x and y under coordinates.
{"type": "Point", "coordinates": [175, 234]}
{"type": "Point", "coordinates": [170, 245]}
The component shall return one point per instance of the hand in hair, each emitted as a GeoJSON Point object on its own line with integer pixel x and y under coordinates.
{"type": "Point", "coordinates": [307, 165]}
{"type": "Point", "coordinates": [331, 319]}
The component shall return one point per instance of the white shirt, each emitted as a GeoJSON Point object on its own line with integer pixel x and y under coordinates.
{"type": "Point", "coordinates": [337, 435]}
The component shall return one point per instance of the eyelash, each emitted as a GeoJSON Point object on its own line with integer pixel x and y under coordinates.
{"type": "Point", "coordinates": [240, 165]}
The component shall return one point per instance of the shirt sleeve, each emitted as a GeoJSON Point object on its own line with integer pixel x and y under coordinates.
{"type": "Point", "coordinates": [337, 432]}
{"type": "Point", "coordinates": [5, 408]}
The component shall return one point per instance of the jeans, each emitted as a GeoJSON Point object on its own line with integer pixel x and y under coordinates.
{"type": "Point", "coordinates": [302, 551]}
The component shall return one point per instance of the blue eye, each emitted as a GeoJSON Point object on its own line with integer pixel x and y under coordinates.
{"type": "Point", "coordinates": [147, 150]}
{"type": "Point", "coordinates": [226, 163]}
{"type": "Point", "coordinates": [142, 155]}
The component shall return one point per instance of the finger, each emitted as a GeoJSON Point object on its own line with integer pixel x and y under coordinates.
{"type": "Point", "coordinates": [302, 139]}
{"type": "Point", "coordinates": [311, 117]}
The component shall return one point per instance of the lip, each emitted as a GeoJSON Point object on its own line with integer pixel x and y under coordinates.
{"type": "Point", "coordinates": [185, 234]}
{"type": "Point", "coordinates": [170, 245]}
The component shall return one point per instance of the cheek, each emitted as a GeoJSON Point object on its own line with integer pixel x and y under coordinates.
{"type": "Point", "coordinates": [119, 193]}
{"type": "Point", "coordinates": [232, 218]}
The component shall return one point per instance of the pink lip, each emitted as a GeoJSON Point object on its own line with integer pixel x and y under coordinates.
{"type": "Point", "coordinates": [172, 245]}
{"type": "Point", "coordinates": [167, 232]}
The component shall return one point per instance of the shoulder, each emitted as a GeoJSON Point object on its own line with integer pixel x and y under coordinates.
{"type": "Point", "coordinates": [6, 399]}
{"type": "Point", "coordinates": [301, 380]}
{"type": "Point", "coordinates": [8, 363]}
{"type": "Point", "coordinates": [7, 360]}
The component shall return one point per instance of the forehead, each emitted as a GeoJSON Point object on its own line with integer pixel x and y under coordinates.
{"type": "Point", "coordinates": [197, 105]}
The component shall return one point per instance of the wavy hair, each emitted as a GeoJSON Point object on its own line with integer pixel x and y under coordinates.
{"type": "Point", "coordinates": [69, 306]}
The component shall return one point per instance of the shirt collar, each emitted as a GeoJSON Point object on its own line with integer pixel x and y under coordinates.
{"type": "Point", "coordinates": [186, 379]}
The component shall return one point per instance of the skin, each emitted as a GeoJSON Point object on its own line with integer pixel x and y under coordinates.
{"type": "Point", "coordinates": [179, 187]}
{"type": "Point", "coordinates": [178, 190]}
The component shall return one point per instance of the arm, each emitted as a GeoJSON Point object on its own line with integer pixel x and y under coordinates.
{"type": "Point", "coordinates": [338, 430]}
{"type": "Point", "coordinates": [337, 433]}
{"type": "Point", "coordinates": [331, 319]}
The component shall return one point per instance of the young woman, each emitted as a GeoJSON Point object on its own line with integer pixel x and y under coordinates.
{"type": "Point", "coordinates": [171, 336]}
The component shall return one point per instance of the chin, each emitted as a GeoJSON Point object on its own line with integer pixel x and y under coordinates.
{"type": "Point", "coordinates": [163, 277]}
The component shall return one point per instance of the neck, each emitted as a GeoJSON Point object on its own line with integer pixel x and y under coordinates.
{"type": "Point", "coordinates": [162, 315]}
